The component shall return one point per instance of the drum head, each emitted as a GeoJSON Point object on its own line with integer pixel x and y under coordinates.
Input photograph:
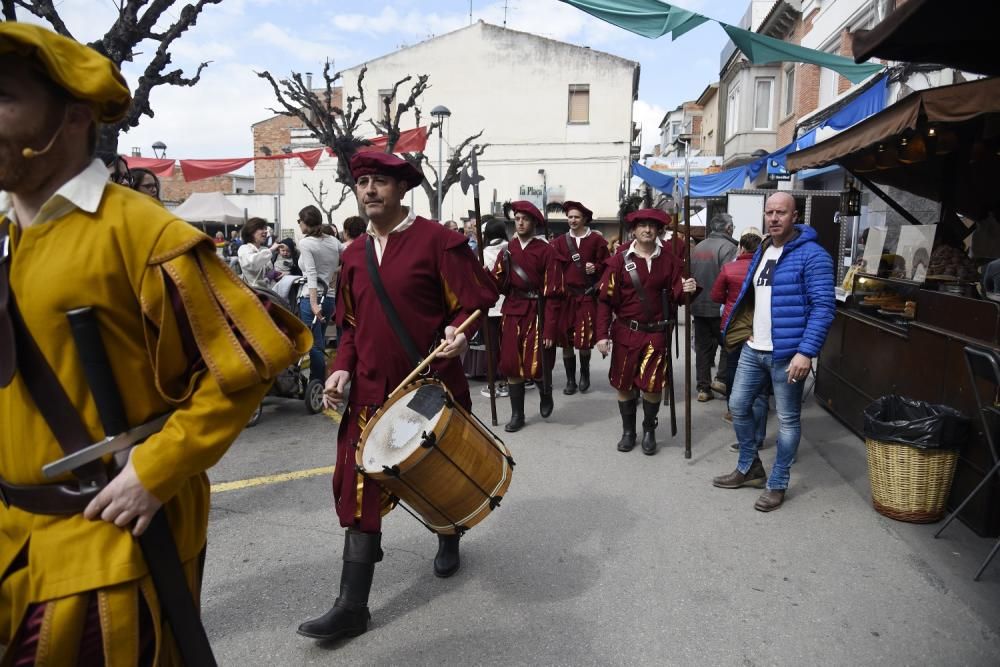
{"type": "Point", "coordinates": [400, 428]}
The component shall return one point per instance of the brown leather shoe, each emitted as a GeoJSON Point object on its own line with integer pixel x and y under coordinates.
{"type": "Point", "coordinates": [770, 500]}
{"type": "Point", "coordinates": [755, 477]}
{"type": "Point", "coordinates": [705, 396]}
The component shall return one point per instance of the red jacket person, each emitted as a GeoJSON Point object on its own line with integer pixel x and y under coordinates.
{"type": "Point", "coordinates": [435, 283]}
{"type": "Point", "coordinates": [582, 253]}
{"type": "Point", "coordinates": [636, 295]}
{"type": "Point", "coordinates": [530, 276]}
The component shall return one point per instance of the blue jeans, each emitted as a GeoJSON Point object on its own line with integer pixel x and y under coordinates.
{"type": "Point", "coordinates": [751, 375]}
{"type": "Point", "coordinates": [317, 359]}
{"type": "Point", "coordinates": [760, 404]}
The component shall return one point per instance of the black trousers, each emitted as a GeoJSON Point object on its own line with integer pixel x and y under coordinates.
{"type": "Point", "coordinates": [706, 343]}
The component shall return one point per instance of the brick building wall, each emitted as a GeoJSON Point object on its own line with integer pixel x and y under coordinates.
{"type": "Point", "coordinates": [846, 49]}
{"type": "Point", "coordinates": [276, 133]}
{"type": "Point", "coordinates": [806, 81]}
{"type": "Point", "coordinates": [174, 189]}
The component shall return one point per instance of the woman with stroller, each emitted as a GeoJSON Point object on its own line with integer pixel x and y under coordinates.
{"type": "Point", "coordinates": [319, 259]}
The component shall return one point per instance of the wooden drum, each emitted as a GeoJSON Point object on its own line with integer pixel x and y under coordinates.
{"type": "Point", "coordinates": [426, 450]}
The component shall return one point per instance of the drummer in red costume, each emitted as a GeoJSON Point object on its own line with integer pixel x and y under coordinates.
{"type": "Point", "coordinates": [529, 274]}
{"type": "Point", "coordinates": [582, 253]}
{"type": "Point", "coordinates": [638, 335]}
{"type": "Point", "coordinates": [435, 283]}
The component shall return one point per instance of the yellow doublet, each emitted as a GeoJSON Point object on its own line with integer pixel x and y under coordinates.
{"type": "Point", "coordinates": [119, 261]}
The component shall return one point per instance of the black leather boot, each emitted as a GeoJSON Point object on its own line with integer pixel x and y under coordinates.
{"type": "Point", "coordinates": [545, 403]}
{"type": "Point", "coordinates": [649, 422]}
{"type": "Point", "coordinates": [584, 370]}
{"type": "Point", "coordinates": [570, 363]}
{"type": "Point", "coordinates": [349, 615]}
{"type": "Point", "coordinates": [516, 395]}
{"type": "Point", "coordinates": [627, 408]}
{"type": "Point", "coordinates": [447, 561]}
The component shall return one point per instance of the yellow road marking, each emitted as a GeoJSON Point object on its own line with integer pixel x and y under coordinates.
{"type": "Point", "coordinates": [271, 479]}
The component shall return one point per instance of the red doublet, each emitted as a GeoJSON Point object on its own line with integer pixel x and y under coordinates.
{"type": "Point", "coordinates": [579, 313]}
{"type": "Point", "coordinates": [638, 358]}
{"type": "Point", "coordinates": [520, 342]}
{"type": "Point", "coordinates": [433, 280]}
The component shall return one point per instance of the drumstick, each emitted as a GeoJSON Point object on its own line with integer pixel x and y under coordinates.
{"type": "Point", "coordinates": [430, 357]}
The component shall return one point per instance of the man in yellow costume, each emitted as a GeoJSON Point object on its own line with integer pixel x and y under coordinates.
{"type": "Point", "coordinates": [182, 333]}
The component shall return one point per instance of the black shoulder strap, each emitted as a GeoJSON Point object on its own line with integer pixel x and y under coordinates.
{"type": "Point", "coordinates": [519, 271]}
{"type": "Point", "coordinates": [8, 349]}
{"type": "Point", "coordinates": [577, 257]}
{"type": "Point", "coordinates": [390, 311]}
{"type": "Point", "coordinates": [633, 273]}
{"type": "Point", "coordinates": [41, 381]}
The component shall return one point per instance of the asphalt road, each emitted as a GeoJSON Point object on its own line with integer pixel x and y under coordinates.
{"type": "Point", "coordinates": [598, 557]}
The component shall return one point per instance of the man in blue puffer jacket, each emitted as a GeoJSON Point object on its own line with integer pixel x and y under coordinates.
{"type": "Point", "coordinates": [788, 293]}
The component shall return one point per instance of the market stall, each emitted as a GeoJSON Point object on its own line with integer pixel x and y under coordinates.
{"type": "Point", "coordinates": [915, 301]}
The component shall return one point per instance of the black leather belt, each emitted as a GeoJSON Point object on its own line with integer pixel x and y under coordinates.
{"type": "Point", "coordinates": [521, 294]}
{"type": "Point", "coordinates": [580, 291]}
{"type": "Point", "coordinates": [57, 499]}
{"type": "Point", "coordinates": [647, 327]}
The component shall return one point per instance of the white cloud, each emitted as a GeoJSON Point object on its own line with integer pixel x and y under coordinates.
{"type": "Point", "coordinates": [650, 115]}
{"type": "Point", "coordinates": [409, 24]}
{"type": "Point", "coordinates": [302, 49]}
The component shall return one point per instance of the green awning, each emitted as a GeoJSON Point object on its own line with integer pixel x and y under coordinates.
{"type": "Point", "coordinates": [653, 18]}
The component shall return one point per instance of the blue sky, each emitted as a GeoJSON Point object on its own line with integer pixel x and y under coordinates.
{"type": "Point", "coordinates": [241, 36]}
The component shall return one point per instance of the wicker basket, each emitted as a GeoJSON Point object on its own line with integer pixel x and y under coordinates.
{"type": "Point", "coordinates": [910, 484]}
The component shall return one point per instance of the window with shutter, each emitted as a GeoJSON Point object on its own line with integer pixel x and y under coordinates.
{"type": "Point", "coordinates": [579, 103]}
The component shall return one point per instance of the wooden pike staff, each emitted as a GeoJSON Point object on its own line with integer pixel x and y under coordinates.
{"type": "Point", "coordinates": [687, 321]}
{"type": "Point", "coordinates": [466, 180]}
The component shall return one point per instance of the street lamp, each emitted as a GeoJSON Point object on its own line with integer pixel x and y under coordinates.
{"type": "Point", "coordinates": [440, 112]}
{"type": "Point", "coordinates": [160, 150]}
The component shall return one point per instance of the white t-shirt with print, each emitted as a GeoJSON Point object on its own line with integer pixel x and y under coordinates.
{"type": "Point", "coordinates": [762, 282]}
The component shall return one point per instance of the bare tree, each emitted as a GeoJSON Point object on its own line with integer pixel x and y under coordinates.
{"type": "Point", "coordinates": [136, 22]}
{"type": "Point", "coordinates": [319, 196]}
{"type": "Point", "coordinates": [334, 127]}
{"type": "Point", "coordinates": [338, 128]}
{"type": "Point", "coordinates": [457, 161]}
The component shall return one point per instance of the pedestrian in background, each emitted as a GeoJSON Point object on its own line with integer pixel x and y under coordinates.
{"type": "Point", "coordinates": [319, 259]}
{"type": "Point", "coordinates": [707, 260]}
{"type": "Point", "coordinates": [724, 291]}
{"type": "Point", "coordinates": [354, 227]}
{"type": "Point", "coordinates": [146, 182]}
{"type": "Point", "coordinates": [256, 259]}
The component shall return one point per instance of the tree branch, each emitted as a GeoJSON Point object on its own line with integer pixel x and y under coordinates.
{"type": "Point", "coordinates": [45, 9]}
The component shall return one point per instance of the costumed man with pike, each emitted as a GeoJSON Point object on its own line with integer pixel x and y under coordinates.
{"type": "Point", "coordinates": [530, 277]}
{"type": "Point", "coordinates": [636, 296]}
{"type": "Point", "coordinates": [582, 254]}
{"type": "Point", "coordinates": [101, 288]}
{"type": "Point", "coordinates": [404, 286]}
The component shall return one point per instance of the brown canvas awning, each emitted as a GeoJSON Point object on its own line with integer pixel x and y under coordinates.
{"type": "Point", "coordinates": [956, 33]}
{"type": "Point", "coordinates": [940, 143]}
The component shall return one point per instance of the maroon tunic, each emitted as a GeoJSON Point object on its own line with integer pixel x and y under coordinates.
{"type": "Point", "coordinates": [579, 313]}
{"type": "Point", "coordinates": [638, 358]}
{"type": "Point", "coordinates": [433, 280]}
{"type": "Point", "coordinates": [520, 341]}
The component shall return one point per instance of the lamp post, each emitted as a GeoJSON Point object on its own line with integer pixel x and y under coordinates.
{"type": "Point", "coordinates": [440, 112]}
{"type": "Point", "coordinates": [545, 196]}
{"type": "Point", "coordinates": [160, 150]}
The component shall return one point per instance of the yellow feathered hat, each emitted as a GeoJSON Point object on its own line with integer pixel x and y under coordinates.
{"type": "Point", "coordinates": [78, 69]}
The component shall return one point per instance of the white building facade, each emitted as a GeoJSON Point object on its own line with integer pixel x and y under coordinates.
{"type": "Point", "coordinates": [553, 114]}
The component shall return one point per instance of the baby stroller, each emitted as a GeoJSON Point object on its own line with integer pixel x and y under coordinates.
{"type": "Point", "coordinates": [293, 382]}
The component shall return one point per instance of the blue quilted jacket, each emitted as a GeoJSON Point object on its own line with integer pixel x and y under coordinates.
{"type": "Point", "coordinates": [802, 297]}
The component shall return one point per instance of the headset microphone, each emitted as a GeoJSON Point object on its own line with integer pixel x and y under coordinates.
{"type": "Point", "coordinates": [31, 153]}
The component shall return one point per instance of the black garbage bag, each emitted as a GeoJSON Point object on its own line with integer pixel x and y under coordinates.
{"type": "Point", "coordinates": [920, 424]}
